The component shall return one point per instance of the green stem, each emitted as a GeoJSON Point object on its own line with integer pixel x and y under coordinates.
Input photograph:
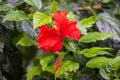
{"type": "Point", "coordinates": [82, 69]}
{"type": "Point", "coordinates": [91, 8]}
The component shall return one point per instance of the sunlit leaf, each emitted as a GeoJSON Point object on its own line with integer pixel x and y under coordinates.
{"type": "Point", "coordinates": [98, 62]}
{"type": "Point", "coordinates": [16, 16]}
{"type": "Point", "coordinates": [71, 46]}
{"type": "Point", "coordinates": [83, 30]}
{"type": "Point", "coordinates": [86, 23]}
{"type": "Point", "coordinates": [63, 54]}
{"type": "Point", "coordinates": [34, 71]}
{"type": "Point", "coordinates": [112, 66]}
{"type": "Point", "coordinates": [67, 66]}
{"type": "Point", "coordinates": [116, 63]}
{"type": "Point", "coordinates": [27, 41]}
{"type": "Point", "coordinates": [50, 68]}
{"type": "Point", "coordinates": [40, 18]}
{"type": "Point", "coordinates": [53, 6]}
{"type": "Point", "coordinates": [104, 53]}
{"type": "Point", "coordinates": [94, 36]}
{"type": "Point", "coordinates": [71, 16]}
{"type": "Point", "coordinates": [34, 3]}
{"type": "Point", "coordinates": [94, 51]}
{"type": "Point", "coordinates": [45, 60]}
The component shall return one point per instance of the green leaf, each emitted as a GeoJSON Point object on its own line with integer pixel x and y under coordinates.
{"type": "Point", "coordinates": [112, 67]}
{"type": "Point", "coordinates": [86, 23]}
{"type": "Point", "coordinates": [98, 62]}
{"type": "Point", "coordinates": [94, 51]}
{"type": "Point", "coordinates": [71, 16]}
{"type": "Point", "coordinates": [63, 54]}
{"type": "Point", "coordinates": [71, 46]}
{"type": "Point", "coordinates": [34, 3]}
{"type": "Point", "coordinates": [33, 72]}
{"type": "Point", "coordinates": [83, 30]}
{"type": "Point", "coordinates": [116, 63]}
{"type": "Point", "coordinates": [27, 41]}
{"type": "Point", "coordinates": [5, 7]}
{"type": "Point", "coordinates": [53, 6]}
{"type": "Point", "coordinates": [45, 60]}
{"type": "Point", "coordinates": [105, 71]}
{"type": "Point", "coordinates": [16, 16]}
{"type": "Point", "coordinates": [94, 36]}
{"type": "Point", "coordinates": [104, 53]}
{"type": "Point", "coordinates": [67, 66]}
{"type": "Point", "coordinates": [40, 19]}
{"type": "Point", "coordinates": [50, 68]}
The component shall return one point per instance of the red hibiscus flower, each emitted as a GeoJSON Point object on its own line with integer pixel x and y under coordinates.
{"type": "Point", "coordinates": [66, 27]}
{"type": "Point", "coordinates": [49, 39]}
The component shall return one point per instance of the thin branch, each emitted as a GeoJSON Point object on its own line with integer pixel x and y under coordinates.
{"type": "Point", "coordinates": [97, 6]}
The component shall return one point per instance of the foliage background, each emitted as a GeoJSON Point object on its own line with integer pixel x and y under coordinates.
{"type": "Point", "coordinates": [17, 36]}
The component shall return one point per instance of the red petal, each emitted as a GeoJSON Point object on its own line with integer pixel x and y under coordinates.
{"type": "Point", "coordinates": [66, 27]}
{"type": "Point", "coordinates": [49, 39]}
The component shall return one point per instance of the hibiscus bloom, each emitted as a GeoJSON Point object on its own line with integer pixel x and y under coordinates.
{"type": "Point", "coordinates": [49, 39]}
{"type": "Point", "coordinates": [66, 27]}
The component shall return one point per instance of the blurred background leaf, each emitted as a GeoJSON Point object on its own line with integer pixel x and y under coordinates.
{"type": "Point", "coordinates": [34, 3]}
{"type": "Point", "coordinates": [16, 16]}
